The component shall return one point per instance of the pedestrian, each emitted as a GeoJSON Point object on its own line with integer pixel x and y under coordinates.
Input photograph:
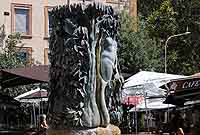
{"type": "Point", "coordinates": [180, 131]}
{"type": "Point", "coordinates": [43, 125]}
{"type": "Point", "coordinates": [177, 124]}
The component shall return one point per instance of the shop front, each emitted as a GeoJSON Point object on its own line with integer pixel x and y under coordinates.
{"type": "Point", "coordinates": [185, 94]}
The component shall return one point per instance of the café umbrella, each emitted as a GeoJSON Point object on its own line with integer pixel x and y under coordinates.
{"type": "Point", "coordinates": [35, 97]}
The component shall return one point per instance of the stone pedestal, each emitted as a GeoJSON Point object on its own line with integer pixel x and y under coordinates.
{"type": "Point", "coordinates": [109, 130]}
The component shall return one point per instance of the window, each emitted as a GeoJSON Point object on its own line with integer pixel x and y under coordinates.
{"type": "Point", "coordinates": [48, 21]}
{"type": "Point", "coordinates": [21, 19]}
{"type": "Point", "coordinates": [25, 54]}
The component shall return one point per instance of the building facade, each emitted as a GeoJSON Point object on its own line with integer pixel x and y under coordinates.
{"type": "Point", "coordinates": [31, 19]}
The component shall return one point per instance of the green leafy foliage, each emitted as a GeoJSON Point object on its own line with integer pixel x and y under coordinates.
{"type": "Point", "coordinates": [171, 17]}
{"type": "Point", "coordinates": [10, 59]}
{"type": "Point", "coordinates": [8, 55]}
{"type": "Point", "coordinates": [138, 51]}
{"type": "Point", "coordinates": [162, 22]}
{"type": "Point", "coordinates": [146, 7]}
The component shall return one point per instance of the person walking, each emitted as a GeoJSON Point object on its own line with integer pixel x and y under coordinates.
{"type": "Point", "coordinates": [43, 125]}
{"type": "Point", "coordinates": [177, 124]}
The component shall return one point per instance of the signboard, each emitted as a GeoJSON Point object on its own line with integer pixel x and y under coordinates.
{"type": "Point", "coordinates": [186, 84]}
{"type": "Point", "coordinates": [187, 88]}
{"type": "Point", "coordinates": [133, 100]}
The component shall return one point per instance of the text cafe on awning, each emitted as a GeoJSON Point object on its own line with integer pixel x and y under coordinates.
{"type": "Point", "coordinates": [186, 89]}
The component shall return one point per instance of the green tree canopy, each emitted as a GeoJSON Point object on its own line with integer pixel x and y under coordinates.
{"type": "Point", "coordinates": [9, 59]}
{"type": "Point", "coordinates": [162, 22]}
{"type": "Point", "coordinates": [8, 54]}
{"type": "Point", "coordinates": [171, 17]}
{"type": "Point", "coordinates": [137, 51]}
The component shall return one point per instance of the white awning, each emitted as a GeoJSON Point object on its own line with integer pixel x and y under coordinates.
{"type": "Point", "coordinates": [148, 82]}
{"type": "Point", "coordinates": [29, 96]}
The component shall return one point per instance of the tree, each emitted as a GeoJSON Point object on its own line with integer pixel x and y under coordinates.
{"type": "Point", "coordinates": [146, 7]}
{"type": "Point", "coordinates": [162, 22]}
{"type": "Point", "coordinates": [9, 59]}
{"type": "Point", "coordinates": [137, 51]}
{"type": "Point", "coordinates": [174, 17]}
{"type": "Point", "coordinates": [8, 55]}
{"type": "Point", "coordinates": [187, 47]}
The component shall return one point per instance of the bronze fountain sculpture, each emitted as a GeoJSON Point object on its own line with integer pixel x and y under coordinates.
{"type": "Point", "coordinates": [83, 56]}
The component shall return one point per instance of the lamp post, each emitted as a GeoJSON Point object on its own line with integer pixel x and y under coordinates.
{"type": "Point", "coordinates": [177, 35]}
{"type": "Point", "coordinates": [170, 37]}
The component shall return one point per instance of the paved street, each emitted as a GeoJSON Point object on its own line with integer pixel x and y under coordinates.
{"type": "Point", "coordinates": [141, 133]}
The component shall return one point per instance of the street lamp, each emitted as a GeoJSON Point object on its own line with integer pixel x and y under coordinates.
{"type": "Point", "coordinates": [177, 35]}
{"type": "Point", "coordinates": [170, 37]}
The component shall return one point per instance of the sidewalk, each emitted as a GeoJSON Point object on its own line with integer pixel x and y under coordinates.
{"type": "Point", "coordinates": [141, 133]}
{"type": "Point", "coordinates": [145, 133]}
